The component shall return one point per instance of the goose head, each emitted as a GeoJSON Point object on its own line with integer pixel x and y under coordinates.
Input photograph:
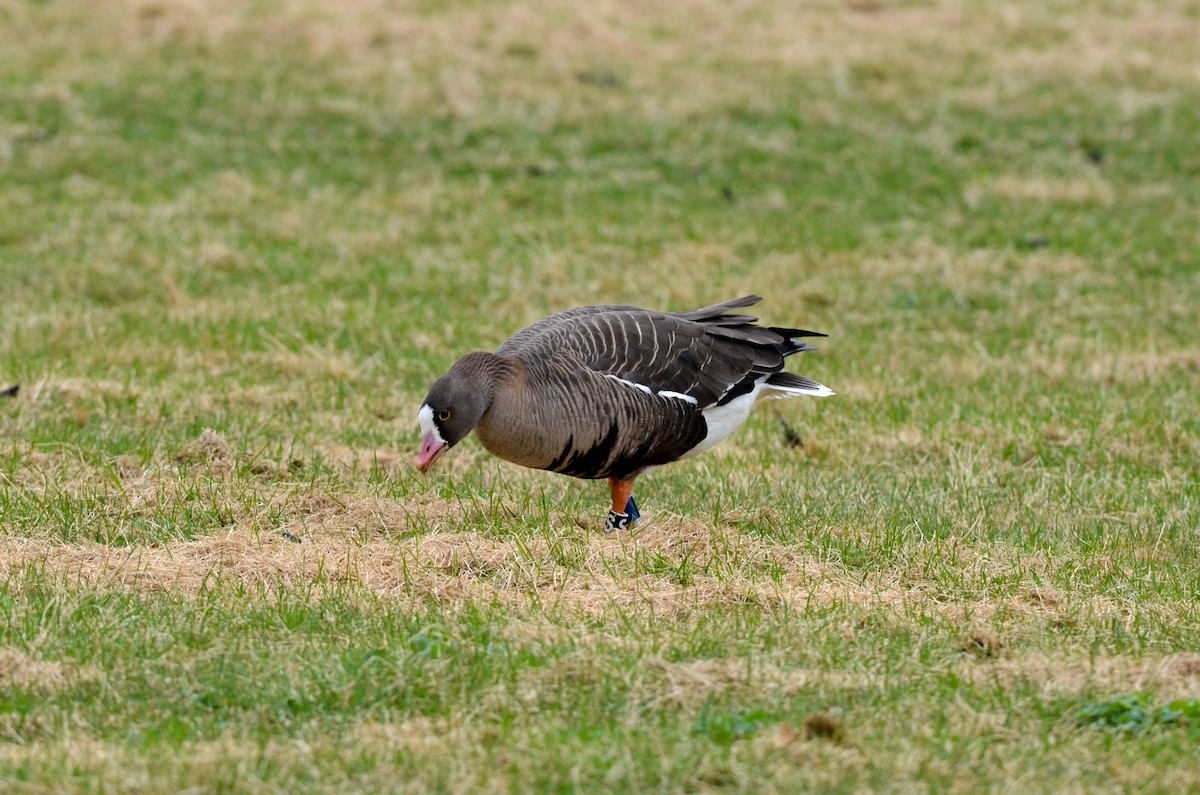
{"type": "Point", "coordinates": [452, 408]}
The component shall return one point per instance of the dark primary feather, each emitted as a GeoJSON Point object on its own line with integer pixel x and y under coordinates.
{"type": "Point", "coordinates": [717, 310]}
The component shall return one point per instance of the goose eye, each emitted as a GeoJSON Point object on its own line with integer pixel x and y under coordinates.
{"type": "Point", "coordinates": [443, 415]}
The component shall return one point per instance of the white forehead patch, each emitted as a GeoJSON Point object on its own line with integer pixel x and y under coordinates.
{"type": "Point", "coordinates": [425, 420]}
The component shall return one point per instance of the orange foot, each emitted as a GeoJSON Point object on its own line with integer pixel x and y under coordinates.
{"type": "Point", "coordinates": [621, 492]}
{"type": "Point", "coordinates": [624, 510]}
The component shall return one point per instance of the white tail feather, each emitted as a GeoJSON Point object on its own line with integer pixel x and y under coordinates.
{"type": "Point", "coordinates": [816, 390]}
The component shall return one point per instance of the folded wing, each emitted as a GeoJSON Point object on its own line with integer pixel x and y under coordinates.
{"type": "Point", "coordinates": [708, 355]}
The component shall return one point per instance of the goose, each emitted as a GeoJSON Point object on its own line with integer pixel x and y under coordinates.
{"type": "Point", "coordinates": [612, 391]}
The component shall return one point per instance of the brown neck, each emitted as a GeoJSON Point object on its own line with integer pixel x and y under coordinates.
{"type": "Point", "coordinates": [489, 371]}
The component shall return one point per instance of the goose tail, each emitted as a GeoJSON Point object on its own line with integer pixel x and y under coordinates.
{"type": "Point", "coordinates": [791, 384]}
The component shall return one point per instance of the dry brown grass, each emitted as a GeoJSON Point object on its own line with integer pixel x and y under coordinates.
{"type": "Point", "coordinates": [891, 40]}
{"type": "Point", "coordinates": [342, 542]}
{"type": "Point", "coordinates": [20, 670]}
{"type": "Point", "coordinates": [669, 566]}
{"type": "Point", "coordinates": [1083, 190]}
{"type": "Point", "coordinates": [1169, 676]}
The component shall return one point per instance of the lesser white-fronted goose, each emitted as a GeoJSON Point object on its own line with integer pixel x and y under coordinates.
{"type": "Point", "coordinates": [610, 391]}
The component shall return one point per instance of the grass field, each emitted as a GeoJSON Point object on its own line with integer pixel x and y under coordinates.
{"type": "Point", "coordinates": [238, 241]}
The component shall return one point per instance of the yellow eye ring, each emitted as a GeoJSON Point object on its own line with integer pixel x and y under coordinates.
{"type": "Point", "coordinates": [443, 415]}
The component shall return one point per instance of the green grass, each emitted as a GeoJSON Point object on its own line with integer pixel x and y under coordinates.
{"type": "Point", "coordinates": [238, 243]}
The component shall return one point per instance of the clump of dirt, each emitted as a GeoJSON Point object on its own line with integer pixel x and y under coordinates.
{"type": "Point", "coordinates": [983, 644]}
{"type": "Point", "coordinates": [209, 449]}
{"type": "Point", "coordinates": [823, 726]}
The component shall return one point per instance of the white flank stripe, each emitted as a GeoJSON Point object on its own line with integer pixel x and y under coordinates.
{"type": "Point", "coordinates": [620, 380]}
{"type": "Point", "coordinates": [678, 396]}
{"type": "Point", "coordinates": [665, 393]}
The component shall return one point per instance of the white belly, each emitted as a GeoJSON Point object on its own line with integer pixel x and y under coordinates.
{"type": "Point", "coordinates": [722, 421]}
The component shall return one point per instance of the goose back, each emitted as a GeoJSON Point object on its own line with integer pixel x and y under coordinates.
{"type": "Point", "coordinates": [705, 354]}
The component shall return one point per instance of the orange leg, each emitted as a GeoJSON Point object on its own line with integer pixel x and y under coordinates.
{"type": "Point", "coordinates": [621, 489]}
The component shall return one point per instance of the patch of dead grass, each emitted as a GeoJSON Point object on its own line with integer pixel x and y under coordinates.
{"type": "Point", "coordinates": [914, 441]}
{"type": "Point", "coordinates": [60, 468]}
{"type": "Point", "coordinates": [19, 670]}
{"type": "Point", "coordinates": [311, 361]}
{"type": "Point", "coordinates": [360, 459]}
{"type": "Point", "coordinates": [353, 541]}
{"type": "Point", "coordinates": [1091, 189]}
{"type": "Point", "coordinates": [470, 56]}
{"type": "Point", "coordinates": [419, 548]}
{"type": "Point", "coordinates": [1125, 367]}
{"type": "Point", "coordinates": [420, 733]}
{"type": "Point", "coordinates": [78, 388]}
{"type": "Point", "coordinates": [690, 683]}
{"type": "Point", "coordinates": [1168, 676]}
